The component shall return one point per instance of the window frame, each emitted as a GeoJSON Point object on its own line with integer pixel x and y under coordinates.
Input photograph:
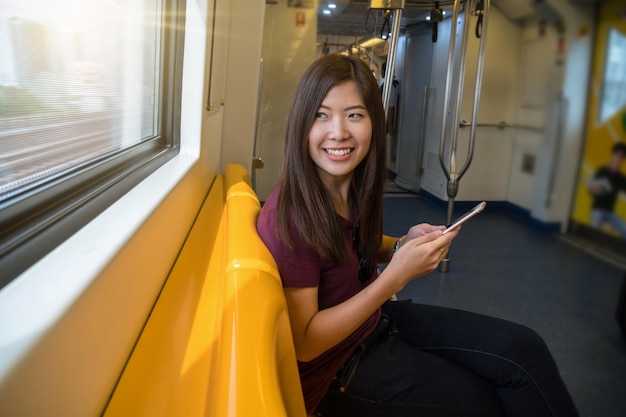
{"type": "Point", "coordinates": [39, 217]}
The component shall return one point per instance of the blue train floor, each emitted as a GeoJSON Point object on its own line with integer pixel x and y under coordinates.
{"type": "Point", "coordinates": [504, 266]}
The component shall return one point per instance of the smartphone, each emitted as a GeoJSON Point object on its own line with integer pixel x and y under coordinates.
{"type": "Point", "coordinates": [466, 217]}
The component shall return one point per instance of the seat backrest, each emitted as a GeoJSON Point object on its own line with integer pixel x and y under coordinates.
{"type": "Point", "coordinates": [218, 341]}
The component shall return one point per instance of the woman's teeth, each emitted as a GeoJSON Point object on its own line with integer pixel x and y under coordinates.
{"type": "Point", "coordinates": [338, 152]}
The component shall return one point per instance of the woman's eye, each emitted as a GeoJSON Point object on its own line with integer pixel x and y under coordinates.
{"type": "Point", "coordinates": [320, 115]}
{"type": "Point", "coordinates": [355, 116]}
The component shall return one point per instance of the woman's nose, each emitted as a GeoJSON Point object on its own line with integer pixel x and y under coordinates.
{"type": "Point", "coordinates": [339, 130]}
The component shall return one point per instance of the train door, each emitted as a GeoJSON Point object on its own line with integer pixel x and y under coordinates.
{"type": "Point", "coordinates": [289, 42]}
{"type": "Point", "coordinates": [415, 87]}
{"type": "Point", "coordinates": [599, 213]}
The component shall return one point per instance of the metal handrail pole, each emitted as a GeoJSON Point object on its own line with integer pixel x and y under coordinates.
{"type": "Point", "coordinates": [460, 88]}
{"type": "Point", "coordinates": [501, 125]}
{"type": "Point", "coordinates": [391, 59]}
{"type": "Point", "coordinates": [452, 175]}
{"type": "Point", "coordinates": [444, 265]}
{"type": "Point", "coordinates": [446, 94]}
{"type": "Point", "coordinates": [477, 88]}
{"type": "Point", "coordinates": [397, 6]}
{"type": "Point", "coordinates": [419, 168]}
{"type": "Point", "coordinates": [255, 158]}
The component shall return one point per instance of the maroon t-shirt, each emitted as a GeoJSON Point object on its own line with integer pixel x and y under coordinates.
{"type": "Point", "coordinates": [303, 267]}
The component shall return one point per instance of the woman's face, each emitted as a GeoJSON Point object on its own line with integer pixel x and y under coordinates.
{"type": "Point", "coordinates": [341, 133]}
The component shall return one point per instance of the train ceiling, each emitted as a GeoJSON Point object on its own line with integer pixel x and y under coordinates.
{"type": "Point", "coordinates": [349, 18]}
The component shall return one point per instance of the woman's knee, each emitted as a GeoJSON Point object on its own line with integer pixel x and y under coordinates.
{"type": "Point", "coordinates": [527, 341]}
{"type": "Point", "coordinates": [528, 351]}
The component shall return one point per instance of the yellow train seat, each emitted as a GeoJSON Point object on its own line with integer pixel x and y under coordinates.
{"type": "Point", "coordinates": [218, 341]}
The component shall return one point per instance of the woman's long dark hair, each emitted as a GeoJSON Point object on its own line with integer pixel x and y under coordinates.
{"type": "Point", "coordinates": [304, 206]}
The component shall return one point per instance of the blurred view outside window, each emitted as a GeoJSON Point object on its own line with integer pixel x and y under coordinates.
{"type": "Point", "coordinates": [614, 85]}
{"type": "Point", "coordinates": [79, 80]}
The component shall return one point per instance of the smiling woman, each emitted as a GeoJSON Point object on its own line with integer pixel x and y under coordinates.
{"type": "Point", "coordinates": [359, 352]}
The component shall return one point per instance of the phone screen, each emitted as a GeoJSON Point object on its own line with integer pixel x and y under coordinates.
{"type": "Point", "coordinates": [479, 207]}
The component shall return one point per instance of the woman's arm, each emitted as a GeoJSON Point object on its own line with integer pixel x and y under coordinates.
{"type": "Point", "coordinates": [315, 331]}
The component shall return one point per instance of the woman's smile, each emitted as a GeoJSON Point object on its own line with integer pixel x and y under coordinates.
{"type": "Point", "coordinates": [340, 152]}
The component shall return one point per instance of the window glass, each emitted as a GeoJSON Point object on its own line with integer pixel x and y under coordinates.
{"type": "Point", "coordinates": [79, 80]}
{"type": "Point", "coordinates": [89, 106]}
{"type": "Point", "coordinates": [614, 80]}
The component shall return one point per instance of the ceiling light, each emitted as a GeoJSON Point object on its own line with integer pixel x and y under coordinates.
{"type": "Point", "coordinates": [326, 12]}
{"type": "Point", "coordinates": [332, 6]}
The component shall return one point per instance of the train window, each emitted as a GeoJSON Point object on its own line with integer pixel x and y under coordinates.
{"type": "Point", "coordinates": [614, 79]}
{"type": "Point", "coordinates": [89, 98]}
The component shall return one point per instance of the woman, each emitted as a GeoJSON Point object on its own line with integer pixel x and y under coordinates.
{"type": "Point", "coordinates": [358, 353]}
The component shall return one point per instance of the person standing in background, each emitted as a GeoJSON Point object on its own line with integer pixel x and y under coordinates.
{"type": "Point", "coordinates": [605, 187]}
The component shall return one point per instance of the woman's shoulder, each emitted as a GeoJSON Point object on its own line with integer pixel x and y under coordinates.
{"type": "Point", "coordinates": [267, 220]}
{"type": "Point", "coordinates": [271, 202]}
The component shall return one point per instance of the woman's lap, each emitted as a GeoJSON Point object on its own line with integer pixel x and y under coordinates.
{"type": "Point", "coordinates": [446, 362]}
{"type": "Point", "coordinates": [392, 379]}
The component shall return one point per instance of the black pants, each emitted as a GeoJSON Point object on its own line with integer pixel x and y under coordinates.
{"type": "Point", "coordinates": [435, 361]}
